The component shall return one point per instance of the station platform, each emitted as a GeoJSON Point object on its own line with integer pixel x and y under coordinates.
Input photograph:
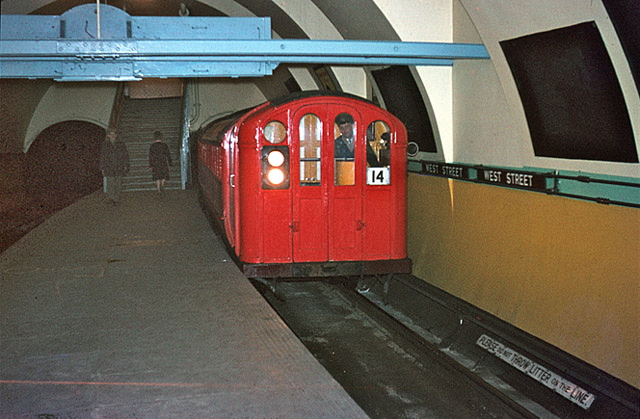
{"type": "Point", "coordinates": [137, 311]}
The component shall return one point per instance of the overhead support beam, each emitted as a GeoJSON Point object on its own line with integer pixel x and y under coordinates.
{"type": "Point", "coordinates": [122, 59]}
{"type": "Point", "coordinates": [130, 48]}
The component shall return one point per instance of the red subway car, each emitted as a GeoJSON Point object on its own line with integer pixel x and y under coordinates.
{"type": "Point", "coordinates": [310, 185]}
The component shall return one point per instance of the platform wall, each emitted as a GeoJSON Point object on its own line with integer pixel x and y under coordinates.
{"type": "Point", "coordinates": [88, 102]}
{"type": "Point", "coordinates": [563, 270]}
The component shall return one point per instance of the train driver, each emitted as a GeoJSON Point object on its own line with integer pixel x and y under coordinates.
{"type": "Point", "coordinates": [343, 150]}
{"type": "Point", "coordinates": [344, 144]}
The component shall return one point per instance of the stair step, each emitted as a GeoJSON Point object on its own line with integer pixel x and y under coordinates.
{"type": "Point", "coordinates": [139, 119]}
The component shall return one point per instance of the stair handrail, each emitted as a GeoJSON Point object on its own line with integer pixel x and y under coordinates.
{"type": "Point", "coordinates": [116, 109]}
{"type": "Point", "coordinates": [185, 146]}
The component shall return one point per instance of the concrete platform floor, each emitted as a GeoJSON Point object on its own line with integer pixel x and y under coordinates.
{"type": "Point", "coordinates": [135, 311]}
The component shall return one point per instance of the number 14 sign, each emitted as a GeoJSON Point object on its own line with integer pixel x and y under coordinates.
{"type": "Point", "coordinates": [378, 176]}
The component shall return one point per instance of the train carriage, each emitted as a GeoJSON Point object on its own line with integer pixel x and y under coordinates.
{"type": "Point", "coordinates": [310, 185]}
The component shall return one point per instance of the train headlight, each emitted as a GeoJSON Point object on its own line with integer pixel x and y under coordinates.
{"type": "Point", "coordinates": [275, 177]}
{"type": "Point", "coordinates": [275, 167]}
{"type": "Point", "coordinates": [275, 158]}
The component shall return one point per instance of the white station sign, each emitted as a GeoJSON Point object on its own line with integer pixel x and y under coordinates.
{"type": "Point", "coordinates": [565, 388]}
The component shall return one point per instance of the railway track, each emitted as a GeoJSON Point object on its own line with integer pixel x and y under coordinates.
{"type": "Point", "coordinates": [390, 371]}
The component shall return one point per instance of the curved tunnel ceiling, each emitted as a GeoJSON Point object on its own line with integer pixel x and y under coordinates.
{"type": "Point", "coordinates": [370, 23]}
{"type": "Point", "coordinates": [453, 96]}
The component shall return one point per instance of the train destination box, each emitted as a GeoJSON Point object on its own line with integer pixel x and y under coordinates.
{"type": "Point", "coordinates": [378, 176]}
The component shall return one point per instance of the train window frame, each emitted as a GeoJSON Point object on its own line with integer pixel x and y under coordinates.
{"type": "Point", "coordinates": [344, 171]}
{"type": "Point", "coordinates": [274, 135]}
{"type": "Point", "coordinates": [313, 140]}
{"type": "Point", "coordinates": [378, 148]}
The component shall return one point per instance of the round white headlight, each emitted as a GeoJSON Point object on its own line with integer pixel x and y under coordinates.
{"type": "Point", "coordinates": [275, 176]}
{"type": "Point", "coordinates": [275, 158]}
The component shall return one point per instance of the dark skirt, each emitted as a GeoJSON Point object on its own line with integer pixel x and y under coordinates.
{"type": "Point", "coordinates": [160, 172]}
{"type": "Point", "coordinates": [159, 160]}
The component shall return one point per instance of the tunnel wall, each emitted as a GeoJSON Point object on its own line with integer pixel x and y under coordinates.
{"type": "Point", "coordinates": [90, 102]}
{"type": "Point", "coordinates": [18, 101]}
{"type": "Point", "coordinates": [563, 270]}
{"type": "Point", "coordinates": [489, 120]}
{"type": "Point", "coordinates": [12, 190]}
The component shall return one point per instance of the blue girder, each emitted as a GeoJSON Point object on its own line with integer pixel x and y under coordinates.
{"type": "Point", "coordinates": [76, 46]}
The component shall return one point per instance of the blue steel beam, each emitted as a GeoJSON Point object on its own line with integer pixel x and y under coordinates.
{"type": "Point", "coordinates": [65, 48]}
{"type": "Point", "coordinates": [211, 58]}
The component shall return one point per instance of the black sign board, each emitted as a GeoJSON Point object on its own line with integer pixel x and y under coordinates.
{"type": "Point", "coordinates": [495, 175]}
{"type": "Point", "coordinates": [447, 170]}
{"type": "Point", "coordinates": [513, 178]}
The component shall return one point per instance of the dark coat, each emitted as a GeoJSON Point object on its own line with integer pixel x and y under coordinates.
{"type": "Point", "coordinates": [341, 150]}
{"type": "Point", "coordinates": [114, 159]}
{"type": "Point", "coordinates": [159, 160]}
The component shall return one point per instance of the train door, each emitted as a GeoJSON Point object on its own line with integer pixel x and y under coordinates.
{"type": "Point", "coordinates": [309, 186]}
{"type": "Point", "coordinates": [230, 218]}
{"type": "Point", "coordinates": [327, 193]}
{"type": "Point", "coordinates": [345, 183]}
{"type": "Point", "coordinates": [381, 210]}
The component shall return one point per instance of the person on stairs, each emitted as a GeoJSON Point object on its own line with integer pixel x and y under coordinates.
{"type": "Point", "coordinates": [159, 161]}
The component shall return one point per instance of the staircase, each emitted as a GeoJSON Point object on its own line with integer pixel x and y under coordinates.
{"type": "Point", "coordinates": [138, 121]}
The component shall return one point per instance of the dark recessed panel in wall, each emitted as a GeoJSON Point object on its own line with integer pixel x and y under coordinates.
{"type": "Point", "coordinates": [625, 16]}
{"type": "Point", "coordinates": [402, 98]}
{"type": "Point", "coordinates": [571, 95]}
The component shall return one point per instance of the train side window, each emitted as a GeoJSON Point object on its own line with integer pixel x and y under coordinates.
{"type": "Point", "coordinates": [378, 153]}
{"type": "Point", "coordinates": [344, 147]}
{"type": "Point", "coordinates": [275, 132]}
{"type": "Point", "coordinates": [310, 150]}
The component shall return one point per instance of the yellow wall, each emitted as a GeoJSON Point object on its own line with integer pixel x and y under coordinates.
{"type": "Point", "coordinates": [564, 270]}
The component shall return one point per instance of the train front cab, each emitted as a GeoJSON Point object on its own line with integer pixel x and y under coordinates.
{"type": "Point", "coordinates": [332, 208]}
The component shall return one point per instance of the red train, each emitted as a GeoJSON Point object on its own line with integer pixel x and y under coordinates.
{"type": "Point", "coordinates": [310, 185]}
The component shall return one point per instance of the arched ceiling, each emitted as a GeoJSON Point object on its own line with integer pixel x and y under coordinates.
{"type": "Point", "coordinates": [450, 97]}
{"type": "Point", "coordinates": [370, 23]}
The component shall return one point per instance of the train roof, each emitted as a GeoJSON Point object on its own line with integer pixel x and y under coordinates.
{"type": "Point", "coordinates": [234, 117]}
{"type": "Point", "coordinates": [314, 93]}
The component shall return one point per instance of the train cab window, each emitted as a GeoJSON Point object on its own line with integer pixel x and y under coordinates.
{"type": "Point", "coordinates": [378, 153]}
{"type": "Point", "coordinates": [378, 144]}
{"type": "Point", "coordinates": [275, 132]}
{"type": "Point", "coordinates": [343, 151]}
{"type": "Point", "coordinates": [310, 150]}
